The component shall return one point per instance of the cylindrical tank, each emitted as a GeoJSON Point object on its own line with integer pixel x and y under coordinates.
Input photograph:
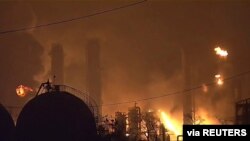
{"type": "Point", "coordinates": [7, 126]}
{"type": "Point", "coordinates": [56, 116]}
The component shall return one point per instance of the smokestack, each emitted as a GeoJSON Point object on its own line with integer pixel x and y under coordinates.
{"type": "Point", "coordinates": [57, 63]}
{"type": "Point", "coordinates": [188, 113]}
{"type": "Point", "coordinates": [94, 72]}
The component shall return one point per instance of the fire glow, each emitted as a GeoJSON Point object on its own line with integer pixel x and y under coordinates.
{"type": "Point", "coordinates": [22, 90]}
{"type": "Point", "coordinates": [221, 52]}
{"type": "Point", "coordinates": [170, 123]}
{"type": "Point", "coordinates": [206, 117]}
{"type": "Point", "coordinates": [219, 79]}
{"type": "Point", "coordinates": [174, 125]}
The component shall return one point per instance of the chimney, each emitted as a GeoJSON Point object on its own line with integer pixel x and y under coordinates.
{"type": "Point", "coordinates": [57, 63]}
{"type": "Point", "coordinates": [94, 72]}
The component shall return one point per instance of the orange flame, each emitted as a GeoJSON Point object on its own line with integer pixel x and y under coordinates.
{"type": "Point", "coordinates": [219, 79]}
{"type": "Point", "coordinates": [221, 52]}
{"type": "Point", "coordinates": [22, 90]}
{"type": "Point", "coordinates": [207, 118]}
{"type": "Point", "coordinates": [174, 124]}
{"type": "Point", "coordinates": [171, 124]}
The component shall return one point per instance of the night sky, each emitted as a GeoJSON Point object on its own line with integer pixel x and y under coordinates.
{"type": "Point", "coordinates": [141, 46]}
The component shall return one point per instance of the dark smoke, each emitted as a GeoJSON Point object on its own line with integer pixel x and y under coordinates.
{"type": "Point", "coordinates": [140, 47]}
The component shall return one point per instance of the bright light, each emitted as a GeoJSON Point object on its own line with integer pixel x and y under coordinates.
{"type": "Point", "coordinates": [207, 118]}
{"type": "Point", "coordinates": [126, 134]}
{"type": "Point", "coordinates": [219, 79]}
{"type": "Point", "coordinates": [221, 52]}
{"type": "Point", "coordinates": [217, 76]}
{"type": "Point", "coordinates": [150, 110]}
{"type": "Point", "coordinates": [220, 82]}
{"type": "Point", "coordinates": [22, 90]}
{"type": "Point", "coordinates": [171, 124]}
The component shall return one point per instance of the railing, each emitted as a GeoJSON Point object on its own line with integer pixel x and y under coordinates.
{"type": "Point", "coordinates": [83, 96]}
{"type": "Point", "coordinates": [245, 101]}
{"type": "Point", "coordinates": [90, 102]}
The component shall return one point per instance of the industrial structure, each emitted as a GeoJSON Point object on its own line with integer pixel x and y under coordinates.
{"type": "Point", "coordinates": [134, 125]}
{"type": "Point", "coordinates": [93, 74]}
{"type": "Point", "coordinates": [60, 112]}
{"type": "Point", "coordinates": [187, 99]}
{"type": "Point", "coordinates": [56, 114]}
{"type": "Point", "coordinates": [57, 63]}
{"type": "Point", "coordinates": [243, 112]}
{"type": "Point", "coordinates": [7, 127]}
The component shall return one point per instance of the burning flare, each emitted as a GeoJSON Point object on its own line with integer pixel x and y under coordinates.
{"type": "Point", "coordinates": [221, 52]}
{"type": "Point", "coordinates": [219, 79]}
{"type": "Point", "coordinates": [171, 124]}
{"type": "Point", "coordinates": [22, 90]}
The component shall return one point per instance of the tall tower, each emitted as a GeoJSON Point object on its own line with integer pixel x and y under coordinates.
{"type": "Point", "coordinates": [188, 109]}
{"type": "Point", "coordinates": [94, 71]}
{"type": "Point", "coordinates": [57, 63]}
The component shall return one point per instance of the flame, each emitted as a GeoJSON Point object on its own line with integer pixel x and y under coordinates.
{"type": "Point", "coordinates": [219, 79]}
{"type": "Point", "coordinates": [207, 119]}
{"type": "Point", "coordinates": [217, 76]}
{"type": "Point", "coordinates": [221, 52]}
{"type": "Point", "coordinates": [174, 124]}
{"type": "Point", "coordinates": [171, 124]}
{"type": "Point", "coordinates": [22, 90]}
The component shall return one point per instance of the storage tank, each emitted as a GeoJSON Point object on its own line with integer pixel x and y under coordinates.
{"type": "Point", "coordinates": [7, 126]}
{"type": "Point", "coordinates": [56, 116]}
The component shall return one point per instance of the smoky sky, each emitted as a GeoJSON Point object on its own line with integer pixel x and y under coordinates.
{"type": "Point", "coordinates": [141, 46]}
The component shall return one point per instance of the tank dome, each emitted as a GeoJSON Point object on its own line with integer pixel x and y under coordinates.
{"type": "Point", "coordinates": [56, 116]}
{"type": "Point", "coordinates": [7, 126]}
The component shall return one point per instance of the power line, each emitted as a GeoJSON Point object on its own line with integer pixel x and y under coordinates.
{"type": "Point", "coordinates": [184, 91]}
{"type": "Point", "coordinates": [72, 19]}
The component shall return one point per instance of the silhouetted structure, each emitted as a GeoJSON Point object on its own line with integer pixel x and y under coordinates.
{"type": "Point", "coordinates": [94, 71]}
{"type": "Point", "coordinates": [243, 112]}
{"type": "Point", "coordinates": [57, 63]}
{"type": "Point", "coordinates": [7, 126]}
{"type": "Point", "coordinates": [151, 124]}
{"type": "Point", "coordinates": [134, 123]}
{"type": "Point", "coordinates": [188, 109]}
{"type": "Point", "coordinates": [120, 123]}
{"type": "Point", "coordinates": [56, 116]}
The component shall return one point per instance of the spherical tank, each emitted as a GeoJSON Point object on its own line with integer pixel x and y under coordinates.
{"type": "Point", "coordinates": [56, 116]}
{"type": "Point", "coordinates": [7, 126]}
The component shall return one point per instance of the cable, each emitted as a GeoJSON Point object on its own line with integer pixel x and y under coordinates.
{"type": "Point", "coordinates": [72, 19]}
{"type": "Point", "coordinates": [184, 91]}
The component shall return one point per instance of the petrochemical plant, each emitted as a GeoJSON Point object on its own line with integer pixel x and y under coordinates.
{"type": "Point", "coordinates": [60, 112]}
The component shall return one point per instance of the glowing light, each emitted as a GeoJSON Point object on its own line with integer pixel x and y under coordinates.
{"type": "Point", "coordinates": [171, 124]}
{"type": "Point", "coordinates": [22, 90]}
{"type": "Point", "coordinates": [206, 117]}
{"type": "Point", "coordinates": [221, 52]}
{"type": "Point", "coordinates": [204, 88]}
{"type": "Point", "coordinates": [219, 79]}
{"type": "Point", "coordinates": [220, 82]}
{"type": "Point", "coordinates": [150, 110]}
{"type": "Point", "coordinates": [217, 76]}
